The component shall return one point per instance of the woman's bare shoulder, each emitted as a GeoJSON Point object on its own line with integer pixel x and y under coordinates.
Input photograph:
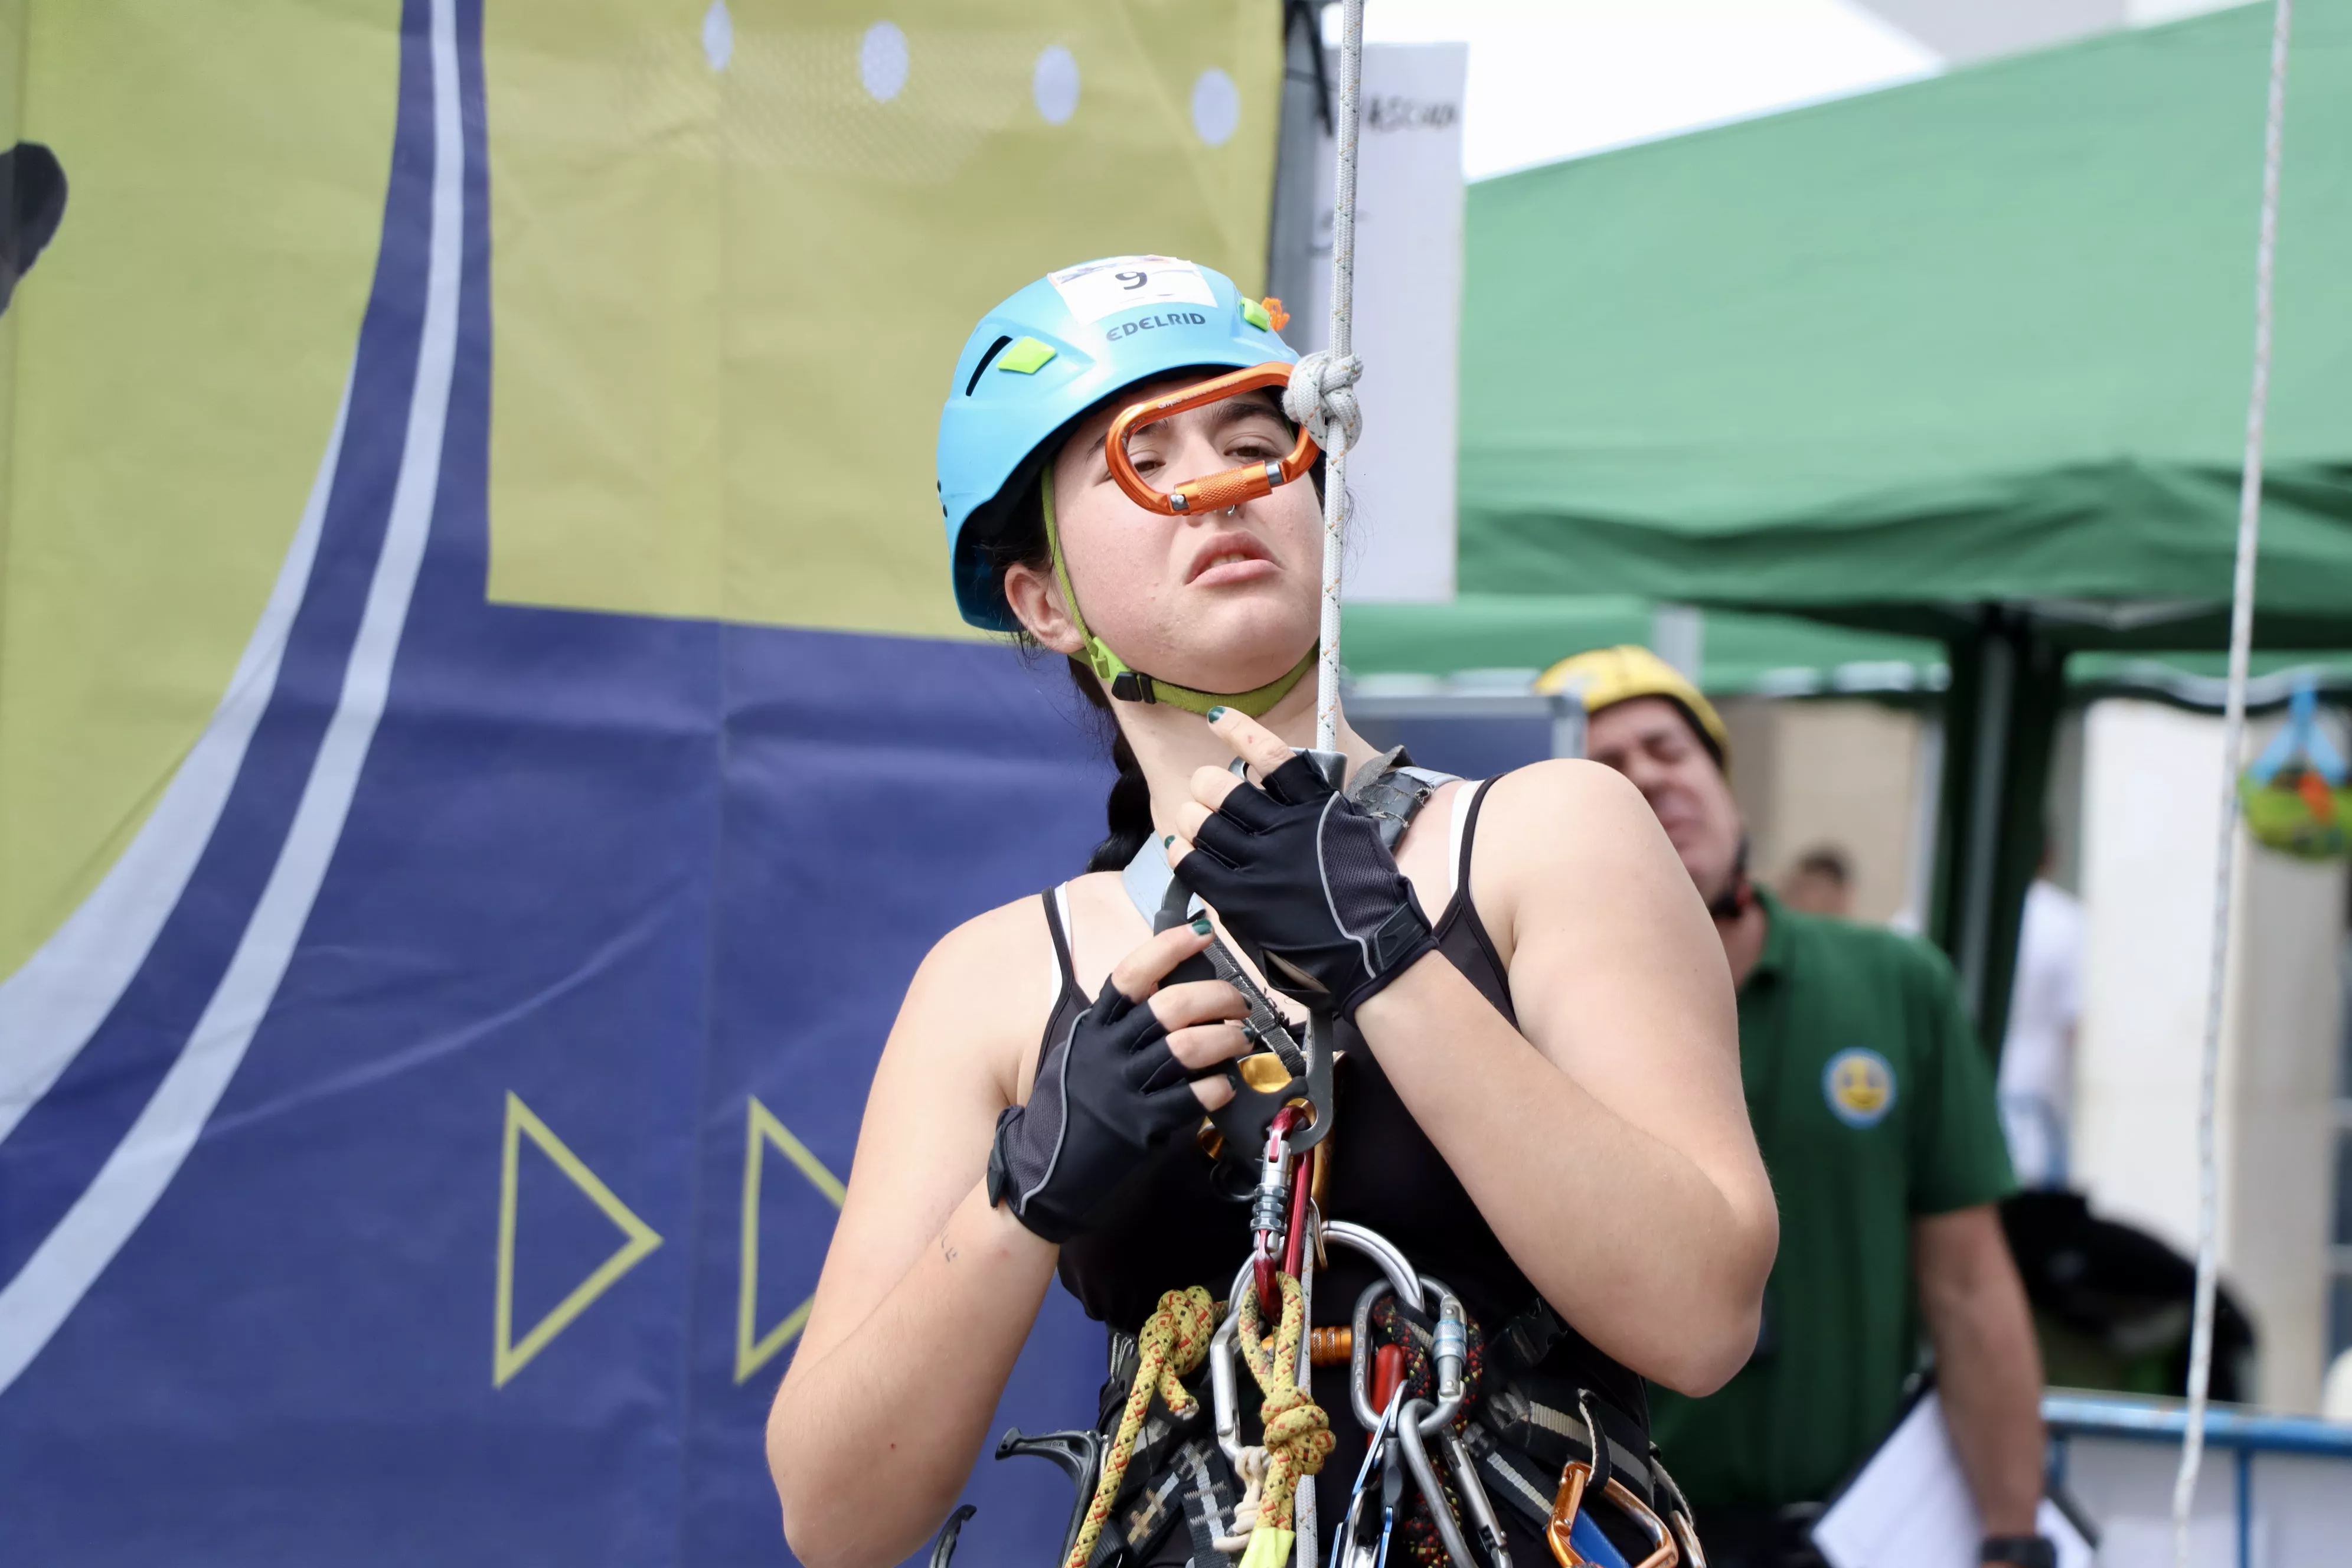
{"type": "Point", "coordinates": [982, 992]}
{"type": "Point", "coordinates": [994, 936]}
{"type": "Point", "coordinates": [1568, 807]}
{"type": "Point", "coordinates": [1551, 834]}
{"type": "Point", "coordinates": [986, 957]}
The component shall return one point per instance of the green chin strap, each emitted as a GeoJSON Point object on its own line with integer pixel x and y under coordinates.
{"type": "Point", "coordinates": [1134, 686]}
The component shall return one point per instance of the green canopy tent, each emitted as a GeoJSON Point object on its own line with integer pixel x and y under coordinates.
{"type": "Point", "coordinates": [1491, 642]}
{"type": "Point", "coordinates": [1742, 653]}
{"type": "Point", "coordinates": [1965, 359]}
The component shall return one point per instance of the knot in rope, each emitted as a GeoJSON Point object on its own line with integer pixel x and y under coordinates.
{"type": "Point", "coordinates": [1297, 1432]}
{"type": "Point", "coordinates": [1322, 397]}
{"type": "Point", "coordinates": [1171, 1345]}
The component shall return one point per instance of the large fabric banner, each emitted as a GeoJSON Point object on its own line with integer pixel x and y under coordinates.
{"type": "Point", "coordinates": [484, 737]}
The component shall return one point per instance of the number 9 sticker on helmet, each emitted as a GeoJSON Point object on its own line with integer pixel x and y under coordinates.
{"type": "Point", "coordinates": [1093, 289]}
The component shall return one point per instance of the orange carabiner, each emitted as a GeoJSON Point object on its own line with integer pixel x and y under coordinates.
{"type": "Point", "coordinates": [1217, 491]}
{"type": "Point", "coordinates": [1573, 1477]}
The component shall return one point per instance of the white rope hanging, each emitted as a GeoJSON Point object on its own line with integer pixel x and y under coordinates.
{"type": "Point", "coordinates": [2233, 729]}
{"type": "Point", "coordinates": [1321, 396]}
{"type": "Point", "coordinates": [1322, 390]}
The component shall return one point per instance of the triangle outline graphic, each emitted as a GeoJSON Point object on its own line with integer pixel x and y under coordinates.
{"type": "Point", "coordinates": [509, 1355]}
{"type": "Point", "coordinates": [762, 1132]}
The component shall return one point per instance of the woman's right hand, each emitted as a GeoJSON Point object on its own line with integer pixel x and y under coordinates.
{"type": "Point", "coordinates": [1124, 1078]}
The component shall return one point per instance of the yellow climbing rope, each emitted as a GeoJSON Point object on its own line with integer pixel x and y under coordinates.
{"type": "Point", "coordinates": [1298, 1433]}
{"type": "Point", "coordinates": [1174, 1338]}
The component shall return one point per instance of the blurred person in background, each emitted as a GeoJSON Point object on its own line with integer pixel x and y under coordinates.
{"type": "Point", "coordinates": [1821, 883]}
{"type": "Point", "coordinates": [2037, 1058]}
{"type": "Point", "coordinates": [1873, 1105]}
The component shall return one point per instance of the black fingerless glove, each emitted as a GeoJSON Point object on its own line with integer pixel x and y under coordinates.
{"type": "Point", "coordinates": [1107, 1093]}
{"type": "Point", "coordinates": [1298, 873]}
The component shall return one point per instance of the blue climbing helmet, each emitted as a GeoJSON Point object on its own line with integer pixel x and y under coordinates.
{"type": "Point", "coordinates": [1054, 350]}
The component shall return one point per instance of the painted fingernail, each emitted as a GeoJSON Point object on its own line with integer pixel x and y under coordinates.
{"type": "Point", "coordinates": [1168, 842]}
{"type": "Point", "coordinates": [1217, 713]}
{"type": "Point", "coordinates": [1199, 925]}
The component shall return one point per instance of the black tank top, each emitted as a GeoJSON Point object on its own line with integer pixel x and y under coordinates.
{"type": "Point", "coordinates": [1169, 1227]}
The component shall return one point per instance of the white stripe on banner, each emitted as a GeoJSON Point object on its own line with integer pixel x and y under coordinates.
{"type": "Point", "coordinates": [70, 1258]}
{"type": "Point", "coordinates": [51, 1006]}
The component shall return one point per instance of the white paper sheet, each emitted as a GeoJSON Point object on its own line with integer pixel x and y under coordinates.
{"type": "Point", "coordinates": [1910, 1506]}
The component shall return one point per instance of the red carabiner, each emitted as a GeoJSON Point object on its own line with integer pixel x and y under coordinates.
{"type": "Point", "coordinates": [1265, 1264]}
{"type": "Point", "coordinates": [1217, 491]}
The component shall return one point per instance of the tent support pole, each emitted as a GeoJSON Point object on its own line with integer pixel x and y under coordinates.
{"type": "Point", "coordinates": [1996, 698]}
{"type": "Point", "coordinates": [1678, 635]}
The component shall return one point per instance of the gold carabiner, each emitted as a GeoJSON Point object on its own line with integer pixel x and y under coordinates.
{"type": "Point", "coordinates": [1218, 491]}
{"type": "Point", "coordinates": [1569, 1501]}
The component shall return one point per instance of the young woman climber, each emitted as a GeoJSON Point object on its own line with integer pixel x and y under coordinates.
{"type": "Point", "coordinates": [1537, 1093]}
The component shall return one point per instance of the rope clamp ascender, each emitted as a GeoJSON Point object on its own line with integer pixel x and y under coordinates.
{"type": "Point", "coordinates": [1217, 491]}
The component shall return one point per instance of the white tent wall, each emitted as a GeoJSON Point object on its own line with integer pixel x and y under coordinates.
{"type": "Point", "coordinates": [2147, 839]}
{"type": "Point", "coordinates": [1408, 318]}
{"type": "Point", "coordinates": [1831, 772]}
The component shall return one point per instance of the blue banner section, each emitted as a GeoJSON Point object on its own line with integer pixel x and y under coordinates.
{"type": "Point", "coordinates": [448, 1184]}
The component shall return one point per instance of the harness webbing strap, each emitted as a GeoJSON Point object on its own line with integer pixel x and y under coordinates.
{"type": "Point", "coordinates": [1548, 1430]}
{"type": "Point", "coordinates": [1394, 795]}
{"type": "Point", "coordinates": [1522, 1484]}
{"type": "Point", "coordinates": [1210, 1496]}
{"type": "Point", "coordinates": [1141, 1521]}
{"type": "Point", "coordinates": [1171, 1344]}
{"type": "Point", "coordinates": [1390, 790]}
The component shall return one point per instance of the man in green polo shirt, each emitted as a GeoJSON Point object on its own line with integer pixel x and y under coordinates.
{"type": "Point", "coordinates": [1873, 1107]}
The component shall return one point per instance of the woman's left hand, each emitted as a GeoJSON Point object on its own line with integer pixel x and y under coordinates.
{"type": "Point", "coordinates": [1298, 873]}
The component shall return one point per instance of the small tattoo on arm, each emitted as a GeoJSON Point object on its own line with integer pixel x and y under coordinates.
{"type": "Point", "coordinates": [947, 1248]}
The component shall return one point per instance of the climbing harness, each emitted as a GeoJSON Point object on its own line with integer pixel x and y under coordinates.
{"type": "Point", "coordinates": [1464, 1425]}
{"type": "Point", "coordinates": [2233, 727]}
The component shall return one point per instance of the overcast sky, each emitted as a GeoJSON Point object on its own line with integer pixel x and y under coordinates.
{"type": "Point", "coordinates": [1552, 78]}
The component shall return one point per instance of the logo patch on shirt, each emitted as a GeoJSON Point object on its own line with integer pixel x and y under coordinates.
{"type": "Point", "coordinates": [1860, 1087]}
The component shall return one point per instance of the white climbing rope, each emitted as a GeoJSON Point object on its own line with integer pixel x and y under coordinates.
{"type": "Point", "coordinates": [1335, 371]}
{"type": "Point", "coordinates": [1327, 381]}
{"type": "Point", "coordinates": [2233, 727]}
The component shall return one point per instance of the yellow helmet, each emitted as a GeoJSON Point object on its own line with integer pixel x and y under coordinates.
{"type": "Point", "coordinates": [1612, 675]}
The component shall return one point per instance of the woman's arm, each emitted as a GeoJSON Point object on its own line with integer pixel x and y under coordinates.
{"type": "Point", "coordinates": [1615, 1160]}
{"type": "Point", "coordinates": [928, 1291]}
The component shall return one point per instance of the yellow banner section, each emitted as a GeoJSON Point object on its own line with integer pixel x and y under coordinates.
{"type": "Point", "coordinates": [739, 243]}
{"type": "Point", "coordinates": [178, 352]}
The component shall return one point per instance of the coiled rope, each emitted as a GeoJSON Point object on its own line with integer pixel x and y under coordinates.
{"type": "Point", "coordinates": [2233, 729]}
{"type": "Point", "coordinates": [1174, 1338]}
